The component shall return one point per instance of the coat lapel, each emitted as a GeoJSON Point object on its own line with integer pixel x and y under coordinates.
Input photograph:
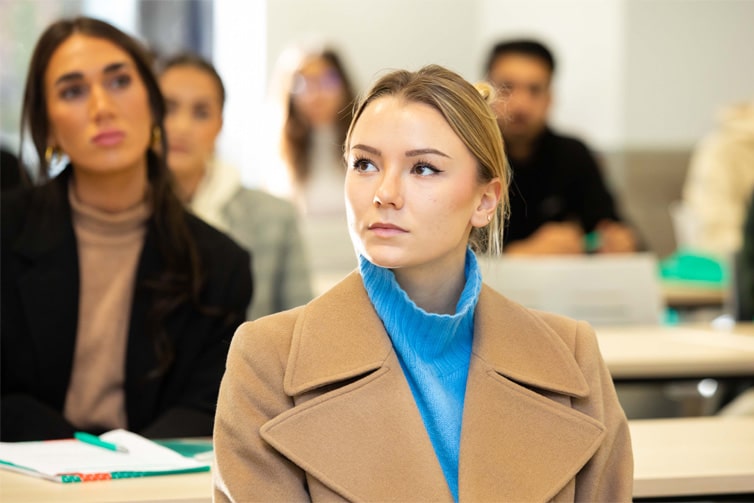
{"type": "Point", "coordinates": [364, 437]}
{"type": "Point", "coordinates": [356, 427]}
{"type": "Point", "coordinates": [49, 287]}
{"type": "Point", "coordinates": [517, 444]}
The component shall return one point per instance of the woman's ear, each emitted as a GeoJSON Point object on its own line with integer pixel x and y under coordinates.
{"type": "Point", "coordinates": [488, 201]}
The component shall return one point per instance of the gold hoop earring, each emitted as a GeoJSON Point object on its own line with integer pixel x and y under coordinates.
{"type": "Point", "coordinates": [52, 154]}
{"type": "Point", "coordinates": [156, 137]}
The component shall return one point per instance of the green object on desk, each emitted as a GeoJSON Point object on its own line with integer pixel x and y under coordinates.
{"type": "Point", "coordinates": [592, 242]}
{"type": "Point", "coordinates": [189, 448]}
{"type": "Point", "coordinates": [90, 439]}
{"type": "Point", "coordinates": [690, 265]}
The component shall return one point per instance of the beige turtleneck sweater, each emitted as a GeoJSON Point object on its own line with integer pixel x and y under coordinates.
{"type": "Point", "coordinates": [109, 246]}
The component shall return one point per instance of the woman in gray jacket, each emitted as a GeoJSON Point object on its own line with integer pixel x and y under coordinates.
{"type": "Point", "coordinates": [258, 221]}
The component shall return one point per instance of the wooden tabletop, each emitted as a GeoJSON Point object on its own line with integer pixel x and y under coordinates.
{"type": "Point", "coordinates": [666, 352]}
{"type": "Point", "coordinates": [184, 488]}
{"type": "Point", "coordinates": [693, 456]}
{"type": "Point", "coordinates": [689, 294]}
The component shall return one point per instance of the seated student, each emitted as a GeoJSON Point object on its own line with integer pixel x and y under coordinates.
{"type": "Point", "coordinates": [719, 183]}
{"type": "Point", "coordinates": [117, 305]}
{"type": "Point", "coordinates": [264, 224]}
{"type": "Point", "coordinates": [411, 380]}
{"type": "Point", "coordinates": [557, 193]}
{"type": "Point", "coordinates": [313, 97]}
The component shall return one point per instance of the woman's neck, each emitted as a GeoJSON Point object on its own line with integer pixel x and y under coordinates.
{"type": "Point", "coordinates": [434, 289]}
{"type": "Point", "coordinates": [111, 192]}
{"type": "Point", "coordinates": [188, 181]}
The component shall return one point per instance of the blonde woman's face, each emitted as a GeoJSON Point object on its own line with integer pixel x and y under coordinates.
{"type": "Point", "coordinates": [412, 190]}
{"type": "Point", "coordinates": [318, 92]}
{"type": "Point", "coordinates": [193, 119]}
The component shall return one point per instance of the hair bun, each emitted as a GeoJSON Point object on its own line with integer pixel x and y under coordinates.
{"type": "Point", "coordinates": [487, 91]}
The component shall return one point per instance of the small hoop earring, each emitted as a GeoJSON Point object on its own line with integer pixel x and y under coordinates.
{"type": "Point", "coordinates": [489, 218]}
{"type": "Point", "coordinates": [52, 154]}
{"type": "Point", "coordinates": [156, 137]}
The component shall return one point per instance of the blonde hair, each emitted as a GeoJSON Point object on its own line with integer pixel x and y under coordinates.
{"type": "Point", "coordinates": [467, 110]}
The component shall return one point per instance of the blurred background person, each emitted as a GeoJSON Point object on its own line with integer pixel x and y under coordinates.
{"type": "Point", "coordinates": [558, 195]}
{"type": "Point", "coordinates": [314, 97]}
{"type": "Point", "coordinates": [262, 223]}
{"type": "Point", "coordinates": [719, 183]}
{"type": "Point", "coordinates": [117, 305]}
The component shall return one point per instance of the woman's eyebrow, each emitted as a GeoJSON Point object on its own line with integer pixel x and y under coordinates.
{"type": "Point", "coordinates": [366, 148]}
{"type": "Point", "coordinates": [425, 151]}
{"type": "Point", "coordinates": [77, 75]}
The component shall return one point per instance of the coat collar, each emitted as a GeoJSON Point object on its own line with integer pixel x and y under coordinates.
{"type": "Point", "coordinates": [507, 336]}
{"type": "Point", "coordinates": [356, 427]}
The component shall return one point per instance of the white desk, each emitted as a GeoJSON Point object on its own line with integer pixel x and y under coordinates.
{"type": "Point", "coordinates": [669, 352]}
{"type": "Point", "coordinates": [693, 456]}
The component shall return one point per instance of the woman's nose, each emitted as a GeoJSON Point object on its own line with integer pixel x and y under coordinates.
{"type": "Point", "coordinates": [389, 191]}
{"type": "Point", "coordinates": [100, 102]}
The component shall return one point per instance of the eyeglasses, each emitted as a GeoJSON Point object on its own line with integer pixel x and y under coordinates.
{"type": "Point", "coordinates": [327, 82]}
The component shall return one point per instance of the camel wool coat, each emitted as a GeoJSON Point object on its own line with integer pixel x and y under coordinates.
{"type": "Point", "coordinates": [314, 406]}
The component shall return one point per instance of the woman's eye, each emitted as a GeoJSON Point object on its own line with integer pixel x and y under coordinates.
{"type": "Point", "coordinates": [72, 92]}
{"type": "Point", "coordinates": [364, 165]}
{"type": "Point", "coordinates": [120, 81]}
{"type": "Point", "coordinates": [424, 169]}
{"type": "Point", "coordinates": [201, 113]}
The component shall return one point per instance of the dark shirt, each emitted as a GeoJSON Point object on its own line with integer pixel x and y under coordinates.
{"type": "Point", "coordinates": [560, 182]}
{"type": "Point", "coordinates": [11, 175]}
{"type": "Point", "coordinates": [743, 277]}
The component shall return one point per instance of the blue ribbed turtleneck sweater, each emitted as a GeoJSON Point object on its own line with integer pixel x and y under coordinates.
{"type": "Point", "coordinates": [434, 351]}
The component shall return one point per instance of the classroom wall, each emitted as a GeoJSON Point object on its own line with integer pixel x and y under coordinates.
{"type": "Point", "coordinates": [644, 73]}
{"type": "Point", "coordinates": [639, 80]}
{"type": "Point", "coordinates": [684, 61]}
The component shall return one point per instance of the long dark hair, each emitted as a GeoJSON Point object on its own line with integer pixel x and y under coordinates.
{"type": "Point", "coordinates": [296, 135]}
{"type": "Point", "coordinates": [180, 280]}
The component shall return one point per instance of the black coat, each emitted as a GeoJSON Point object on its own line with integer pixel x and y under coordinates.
{"type": "Point", "coordinates": [40, 296]}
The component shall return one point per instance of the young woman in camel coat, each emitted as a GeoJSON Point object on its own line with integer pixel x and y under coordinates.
{"type": "Point", "coordinates": [411, 380]}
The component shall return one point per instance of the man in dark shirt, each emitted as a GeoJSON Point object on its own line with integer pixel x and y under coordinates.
{"type": "Point", "coordinates": [559, 201]}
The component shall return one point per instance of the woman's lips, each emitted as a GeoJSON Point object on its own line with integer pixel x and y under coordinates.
{"type": "Point", "coordinates": [179, 148]}
{"type": "Point", "coordinates": [386, 230]}
{"type": "Point", "coordinates": [108, 138]}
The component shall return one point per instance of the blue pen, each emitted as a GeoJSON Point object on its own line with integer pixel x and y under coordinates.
{"type": "Point", "coordinates": [88, 438]}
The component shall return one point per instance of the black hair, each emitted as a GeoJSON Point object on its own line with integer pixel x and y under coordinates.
{"type": "Point", "coordinates": [526, 47]}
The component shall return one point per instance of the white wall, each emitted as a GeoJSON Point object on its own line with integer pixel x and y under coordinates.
{"type": "Point", "coordinates": [375, 35]}
{"type": "Point", "coordinates": [685, 60]}
{"type": "Point", "coordinates": [639, 73]}
{"type": "Point", "coordinates": [239, 48]}
{"type": "Point", "coordinates": [587, 39]}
